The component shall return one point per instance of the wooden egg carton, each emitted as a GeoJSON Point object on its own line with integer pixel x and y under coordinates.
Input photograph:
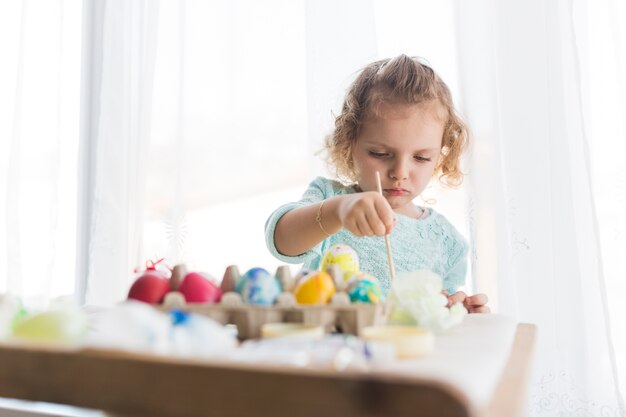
{"type": "Point", "coordinates": [339, 316]}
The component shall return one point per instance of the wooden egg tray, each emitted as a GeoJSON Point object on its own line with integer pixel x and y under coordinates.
{"type": "Point", "coordinates": [342, 317]}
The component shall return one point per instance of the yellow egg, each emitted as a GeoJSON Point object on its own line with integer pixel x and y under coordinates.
{"type": "Point", "coordinates": [61, 326]}
{"type": "Point", "coordinates": [344, 257]}
{"type": "Point", "coordinates": [317, 288]}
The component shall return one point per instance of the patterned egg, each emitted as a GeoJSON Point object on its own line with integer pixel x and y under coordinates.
{"type": "Point", "coordinates": [364, 288]}
{"type": "Point", "coordinates": [316, 288]}
{"type": "Point", "coordinates": [257, 286]}
{"type": "Point", "coordinates": [343, 256]}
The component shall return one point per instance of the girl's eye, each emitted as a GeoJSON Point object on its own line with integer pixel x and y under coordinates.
{"type": "Point", "coordinates": [421, 158]}
{"type": "Point", "coordinates": [378, 154]}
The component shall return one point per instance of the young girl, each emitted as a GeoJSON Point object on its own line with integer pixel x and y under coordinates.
{"type": "Point", "coordinates": [397, 119]}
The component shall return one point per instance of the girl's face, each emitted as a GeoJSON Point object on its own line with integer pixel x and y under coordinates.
{"type": "Point", "coordinates": [403, 143]}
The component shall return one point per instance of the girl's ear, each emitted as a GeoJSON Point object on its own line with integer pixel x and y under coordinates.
{"type": "Point", "coordinates": [353, 171]}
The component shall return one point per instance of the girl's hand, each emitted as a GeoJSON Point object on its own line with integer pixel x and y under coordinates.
{"type": "Point", "coordinates": [366, 214]}
{"type": "Point", "coordinates": [476, 303]}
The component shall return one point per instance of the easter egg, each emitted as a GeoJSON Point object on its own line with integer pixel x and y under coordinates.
{"type": "Point", "coordinates": [343, 256]}
{"type": "Point", "coordinates": [199, 288]}
{"type": "Point", "coordinates": [302, 275]}
{"type": "Point", "coordinates": [150, 287]}
{"type": "Point", "coordinates": [364, 288]}
{"type": "Point", "coordinates": [315, 288]}
{"type": "Point", "coordinates": [61, 326]}
{"type": "Point", "coordinates": [257, 286]}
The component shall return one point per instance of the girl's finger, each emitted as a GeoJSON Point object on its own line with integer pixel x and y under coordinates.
{"type": "Point", "coordinates": [476, 300]}
{"type": "Point", "coordinates": [480, 310]}
{"type": "Point", "coordinates": [364, 227]}
{"type": "Point", "coordinates": [457, 297]}
{"type": "Point", "coordinates": [386, 215]}
{"type": "Point", "coordinates": [354, 228]}
{"type": "Point", "coordinates": [375, 223]}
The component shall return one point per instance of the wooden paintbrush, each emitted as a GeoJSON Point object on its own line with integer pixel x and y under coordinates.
{"type": "Point", "coordinates": [392, 272]}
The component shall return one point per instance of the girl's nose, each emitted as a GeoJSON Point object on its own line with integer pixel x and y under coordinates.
{"type": "Point", "coordinates": [399, 171]}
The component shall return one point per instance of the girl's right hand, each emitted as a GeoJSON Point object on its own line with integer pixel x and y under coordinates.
{"type": "Point", "coordinates": [366, 214]}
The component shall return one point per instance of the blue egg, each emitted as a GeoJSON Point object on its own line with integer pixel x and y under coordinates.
{"type": "Point", "coordinates": [257, 286]}
{"type": "Point", "coordinates": [363, 288]}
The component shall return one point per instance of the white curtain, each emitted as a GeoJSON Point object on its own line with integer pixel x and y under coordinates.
{"type": "Point", "coordinates": [40, 43]}
{"type": "Point", "coordinates": [545, 151]}
{"type": "Point", "coordinates": [120, 39]}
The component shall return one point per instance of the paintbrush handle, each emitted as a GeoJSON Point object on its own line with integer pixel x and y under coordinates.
{"type": "Point", "coordinates": [392, 271]}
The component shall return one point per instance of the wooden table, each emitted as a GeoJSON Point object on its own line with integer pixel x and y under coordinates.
{"type": "Point", "coordinates": [138, 385]}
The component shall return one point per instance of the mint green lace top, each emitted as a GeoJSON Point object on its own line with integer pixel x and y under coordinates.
{"type": "Point", "coordinates": [431, 242]}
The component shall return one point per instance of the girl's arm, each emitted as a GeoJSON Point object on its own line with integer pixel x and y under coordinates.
{"type": "Point", "coordinates": [363, 214]}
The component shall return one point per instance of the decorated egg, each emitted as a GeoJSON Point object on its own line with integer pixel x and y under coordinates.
{"type": "Point", "coordinates": [150, 287]}
{"type": "Point", "coordinates": [198, 287]}
{"type": "Point", "coordinates": [343, 256]}
{"type": "Point", "coordinates": [364, 288]}
{"type": "Point", "coordinates": [60, 326]}
{"type": "Point", "coordinates": [257, 286]}
{"type": "Point", "coordinates": [317, 288]}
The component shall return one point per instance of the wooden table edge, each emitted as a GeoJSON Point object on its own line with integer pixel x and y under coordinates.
{"type": "Point", "coordinates": [354, 393]}
{"type": "Point", "coordinates": [511, 394]}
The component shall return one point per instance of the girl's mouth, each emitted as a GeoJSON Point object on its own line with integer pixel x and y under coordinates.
{"type": "Point", "coordinates": [395, 192]}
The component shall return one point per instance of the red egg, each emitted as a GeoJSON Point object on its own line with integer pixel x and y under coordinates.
{"type": "Point", "coordinates": [198, 289]}
{"type": "Point", "coordinates": [150, 287]}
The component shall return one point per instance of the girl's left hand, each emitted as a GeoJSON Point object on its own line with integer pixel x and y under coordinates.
{"type": "Point", "coordinates": [476, 303]}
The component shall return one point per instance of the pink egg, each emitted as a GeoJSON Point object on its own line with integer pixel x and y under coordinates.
{"type": "Point", "coordinates": [197, 288]}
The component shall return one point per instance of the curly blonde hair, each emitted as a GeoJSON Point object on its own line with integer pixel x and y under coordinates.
{"type": "Point", "coordinates": [400, 80]}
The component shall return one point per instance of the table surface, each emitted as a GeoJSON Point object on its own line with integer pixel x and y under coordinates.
{"type": "Point", "coordinates": [480, 368]}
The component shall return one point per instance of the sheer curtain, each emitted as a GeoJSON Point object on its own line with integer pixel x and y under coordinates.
{"type": "Point", "coordinates": [120, 46]}
{"type": "Point", "coordinates": [40, 44]}
{"type": "Point", "coordinates": [546, 150]}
